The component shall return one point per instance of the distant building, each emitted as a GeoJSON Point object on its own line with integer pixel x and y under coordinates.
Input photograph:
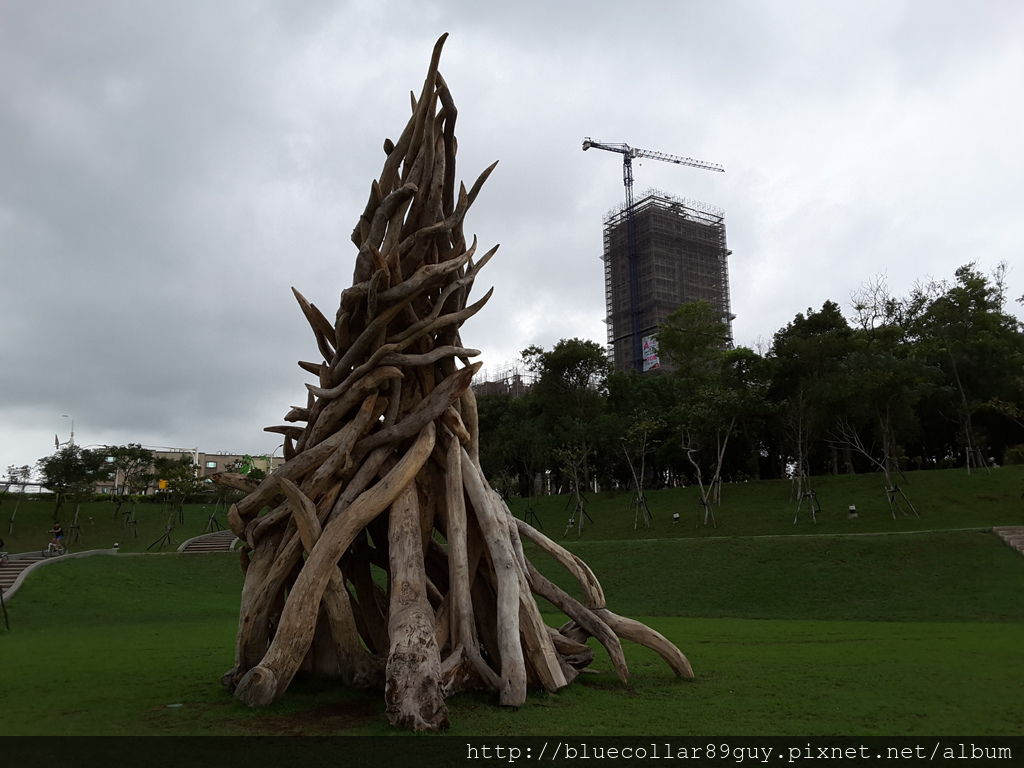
{"type": "Point", "coordinates": [512, 381]}
{"type": "Point", "coordinates": [681, 256]}
{"type": "Point", "coordinates": [207, 464]}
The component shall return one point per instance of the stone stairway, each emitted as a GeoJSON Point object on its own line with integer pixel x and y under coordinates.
{"type": "Point", "coordinates": [219, 541]}
{"type": "Point", "coordinates": [1012, 535]}
{"type": "Point", "coordinates": [15, 565]}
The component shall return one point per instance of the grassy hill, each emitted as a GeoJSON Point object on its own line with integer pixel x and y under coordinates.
{"type": "Point", "coordinates": [908, 627]}
{"type": "Point", "coordinates": [944, 499]}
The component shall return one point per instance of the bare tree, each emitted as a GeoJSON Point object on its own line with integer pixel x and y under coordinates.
{"type": "Point", "coordinates": [710, 492]}
{"type": "Point", "coordinates": [847, 435]}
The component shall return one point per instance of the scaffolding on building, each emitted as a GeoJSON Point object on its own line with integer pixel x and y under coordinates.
{"type": "Point", "coordinates": [512, 381]}
{"type": "Point", "coordinates": [681, 256]}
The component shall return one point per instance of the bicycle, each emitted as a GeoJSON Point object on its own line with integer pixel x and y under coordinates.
{"type": "Point", "coordinates": [55, 549]}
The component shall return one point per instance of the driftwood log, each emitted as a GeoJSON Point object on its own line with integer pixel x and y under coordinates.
{"type": "Point", "coordinates": [377, 554]}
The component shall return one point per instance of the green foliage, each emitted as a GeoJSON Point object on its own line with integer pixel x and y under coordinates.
{"type": "Point", "coordinates": [181, 476]}
{"type": "Point", "coordinates": [563, 410]}
{"type": "Point", "coordinates": [132, 466]}
{"type": "Point", "coordinates": [1014, 455]}
{"type": "Point", "coordinates": [73, 472]}
{"type": "Point", "coordinates": [247, 466]}
{"type": "Point", "coordinates": [571, 387]}
{"type": "Point", "coordinates": [964, 332]}
{"type": "Point", "coordinates": [908, 382]}
{"type": "Point", "coordinates": [691, 337]}
{"type": "Point", "coordinates": [18, 475]}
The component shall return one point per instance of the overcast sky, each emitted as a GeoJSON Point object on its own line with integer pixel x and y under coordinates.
{"type": "Point", "coordinates": [168, 170]}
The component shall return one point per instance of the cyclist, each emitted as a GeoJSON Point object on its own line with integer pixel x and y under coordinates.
{"type": "Point", "coordinates": [58, 536]}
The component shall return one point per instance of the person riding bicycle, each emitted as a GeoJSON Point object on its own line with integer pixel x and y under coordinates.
{"type": "Point", "coordinates": [58, 536]}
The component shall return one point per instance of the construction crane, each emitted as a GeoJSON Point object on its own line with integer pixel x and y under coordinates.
{"type": "Point", "coordinates": [628, 153]}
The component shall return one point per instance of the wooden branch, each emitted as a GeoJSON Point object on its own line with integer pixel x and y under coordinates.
{"type": "Point", "coordinates": [428, 358]}
{"type": "Point", "coordinates": [235, 480]}
{"type": "Point", "coordinates": [593, 594]}
{"type": "Point", "coordinates": [430, 408]}
{"type": "Point", "coordinates": [644, 635]}
{"type": "Point", "coordinates": [460, 575]}
{"type": "Point", "coordinates": [585, 617]}
{"type": "Point", "coordinates": [271, 677]}
{"type": "Point", "coordinates": [413, 692]}
{"type": "Point", "coordinates": [323, 331]}
{"type": "Point", "coordinates": [336, 410]}
{"type": "Point", "coordinates": [513, 666]}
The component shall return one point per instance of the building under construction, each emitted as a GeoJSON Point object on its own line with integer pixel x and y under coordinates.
{"type": "Point", "coordinates": [680, 256]}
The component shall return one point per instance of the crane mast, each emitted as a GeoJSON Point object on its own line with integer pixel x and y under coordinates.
{"type": "Point", "coordinates": [628, 153]}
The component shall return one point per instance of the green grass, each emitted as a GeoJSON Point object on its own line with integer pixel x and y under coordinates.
{"type": "Point", "coordinates": [792, 678]}
{"type": "Point", "coordinates": [945, 499]}
{"type": "Point", "coordinates": [948, 576]}
{"type": "Point", "coordinates": [792, 630]}
{"type": "Point", "coordinates": [99, 525]}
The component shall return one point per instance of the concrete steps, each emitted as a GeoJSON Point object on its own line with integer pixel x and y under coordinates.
{"type": "Point", "coordinates": [1012, 535]}
{"type": "Point", "coordinates": [219, 541]}
{"type": "Point", "coordinates": [15, 565]}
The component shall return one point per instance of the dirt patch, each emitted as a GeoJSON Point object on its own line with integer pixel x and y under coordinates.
{"type": "Point", "coordinates": [323, 719]}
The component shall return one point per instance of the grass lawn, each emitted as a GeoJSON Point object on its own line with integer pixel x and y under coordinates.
{"type": "Point", "coordinates": [132, 645]}
{"type": "Point", "coordinates": [99, 525]}
{"type": "Point", "coordinates": [945, 499]}
{"type": "Point", "coordinates": [943, 576]}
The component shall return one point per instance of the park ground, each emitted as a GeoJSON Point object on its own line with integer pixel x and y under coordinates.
{"type": "Point", "coordinates": [873, 626]}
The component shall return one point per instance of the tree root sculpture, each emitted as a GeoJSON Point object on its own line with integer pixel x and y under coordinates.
{"type": "Point", "coordinates": [377, 554]}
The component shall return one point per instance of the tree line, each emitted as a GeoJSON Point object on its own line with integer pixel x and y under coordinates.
{"type": "Point", "coordinates": [73, 473]}
{"type": "Point", "coordinates": [932, 379]}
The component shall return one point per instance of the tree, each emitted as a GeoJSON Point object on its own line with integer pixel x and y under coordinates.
{"type": "Point", "coordinates": [884, 381]}
{"type": "Point", "coordinates": [572, 380]}
{"type": "Point", "coordinates": [636, 445]}
{"type": "Point", "coordinates": [17, 476]}
{"type": "Point", "coordinates": [714, 389]}
{"type": "Point", "coordinates": [569, 399]}
{"type": "Point", "coordinates": [809, 387]}
{"type": "Point", "coordinates": [72, 472]}
{"type": "Point", "coordinates": [965, 333]}
{"type": "Point", "coordinates": [181, 478]}
{"type": "Point", "coordinates": [692, 337]}
{"type": "Point", "coordinates": [132, 468]}
{"type": "Point", "coordinates": [649, 398]}
{"type": "Point", "coordinates": [513, 439]}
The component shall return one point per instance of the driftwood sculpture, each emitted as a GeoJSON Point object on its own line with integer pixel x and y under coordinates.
{"type": "Point", "coordinates": [378, 554]}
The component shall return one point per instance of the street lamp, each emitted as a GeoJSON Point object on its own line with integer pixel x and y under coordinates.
{"type": "Point", "coordinates": [270, 462]}
{"type": "Point", "coordinates": [71, 441]}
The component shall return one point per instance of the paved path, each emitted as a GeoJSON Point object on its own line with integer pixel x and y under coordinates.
{"type": "Point", "coordinates": [1012, 535]}
{"type": "Point", "coordinates": [220, 541]}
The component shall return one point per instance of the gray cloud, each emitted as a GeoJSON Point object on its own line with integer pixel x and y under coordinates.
{"type": "Point", "coordinates": [170, 170]}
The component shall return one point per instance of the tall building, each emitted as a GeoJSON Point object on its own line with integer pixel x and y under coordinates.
{"type": "Point", "coordinates": [681, 256]}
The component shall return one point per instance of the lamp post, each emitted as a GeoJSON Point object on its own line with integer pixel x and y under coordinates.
{"type": "Point", "coordinates": [270, 462]}
{"type": "Point", "coordinates": [71, 441]}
